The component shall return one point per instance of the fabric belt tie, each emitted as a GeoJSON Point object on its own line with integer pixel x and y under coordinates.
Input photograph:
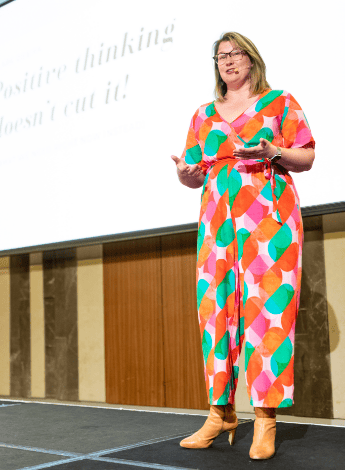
{"type": "Point", "coordinates": [269, 175]}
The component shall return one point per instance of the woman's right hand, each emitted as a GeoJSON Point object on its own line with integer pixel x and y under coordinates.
{"type": "Point", "coordinates": [189, 175]}
{"type": "Point", "coordinates": [186, 170]}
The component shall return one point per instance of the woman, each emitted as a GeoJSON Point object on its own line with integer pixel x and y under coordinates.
{"type": "Point", "coordinates": [241, 148]}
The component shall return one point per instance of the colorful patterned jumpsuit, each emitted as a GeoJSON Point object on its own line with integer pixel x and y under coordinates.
{"type": "Point", "coordinates": [249, 249]}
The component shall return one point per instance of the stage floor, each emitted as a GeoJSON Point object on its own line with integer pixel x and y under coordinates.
{"type": "Point", "coordinates": [39, 435]}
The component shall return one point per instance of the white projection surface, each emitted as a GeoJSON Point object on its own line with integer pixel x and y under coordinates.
{"type": "Point", "coordinates": [95, 96]}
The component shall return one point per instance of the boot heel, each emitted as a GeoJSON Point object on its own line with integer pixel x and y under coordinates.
{"type": "Point", "coordinates": [232, 434]}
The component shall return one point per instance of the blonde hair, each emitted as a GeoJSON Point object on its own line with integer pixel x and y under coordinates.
{"type": "Point", "coordinates": [258, 82]}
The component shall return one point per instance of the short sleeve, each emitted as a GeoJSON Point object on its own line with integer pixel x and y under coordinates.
{"type": "Point", "coordinates": [192, 152]}
{"type": "Point", "coordinates": [294, 126]}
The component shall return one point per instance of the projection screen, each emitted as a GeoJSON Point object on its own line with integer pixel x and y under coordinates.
{"type": "Point", "coordinates": [95, 97]}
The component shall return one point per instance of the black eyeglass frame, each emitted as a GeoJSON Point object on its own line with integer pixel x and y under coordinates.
{"type": "Point", "coordinates": [215, 58]}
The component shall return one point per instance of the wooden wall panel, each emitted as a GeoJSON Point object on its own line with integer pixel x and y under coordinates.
{"type": "Point", "coordinates": [184, 373]}
{"type": "Point", "coordinates": [61, 324]}
{"type": "Point", "coordinates": [37, 340]}
{"type": "Point", "coordinates": [5, 326]}
{"type": "Point", "coordinates": [334, 249]}
{"type": "Point", "coordinates": [133, 323]}
{"type": "Point", "coordinates": [91, 361]}
{"type": "Point", "coordinates": [20, 326]}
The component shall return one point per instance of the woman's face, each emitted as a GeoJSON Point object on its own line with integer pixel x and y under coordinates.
{"type": "Point", "coordinates": [227, 66]}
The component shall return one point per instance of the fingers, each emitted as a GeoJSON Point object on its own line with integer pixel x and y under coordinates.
{"type": "Point", "coordinates": [195, 170]}
{"type": "Point", "coordinates": [184, 169]}
{"type": "Point", "coordinates": [180, 163]}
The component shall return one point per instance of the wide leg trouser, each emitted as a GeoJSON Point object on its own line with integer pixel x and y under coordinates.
{"type": "Point", "coordinates": [248, 282]}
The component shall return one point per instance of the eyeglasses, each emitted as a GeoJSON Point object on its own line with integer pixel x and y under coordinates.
{"type": "Point", "coordinates": [235, 55]}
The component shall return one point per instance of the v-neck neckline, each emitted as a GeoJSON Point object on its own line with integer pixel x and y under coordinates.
{"type": "Point", "coordinates": [234, 120]}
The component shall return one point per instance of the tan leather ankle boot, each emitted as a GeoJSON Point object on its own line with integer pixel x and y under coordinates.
{"type": "Point", "coordinates": [220, 419]}
{"type": "Point", "coordinates": [263, 446]}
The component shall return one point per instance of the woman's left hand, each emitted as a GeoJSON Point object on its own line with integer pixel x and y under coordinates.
{"type": "Point", "coordinates": [264, 150]}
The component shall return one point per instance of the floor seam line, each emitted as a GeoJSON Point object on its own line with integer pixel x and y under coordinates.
{"type": "Point", "coordinates": [51, 464]}
{"type": "Point", "coordinates": [41, 450]}
{"type": "Point", "coordinates": [90, 454]}
{"type": "Point", "coordinates": [110, 460]}
{"type": "Point", "coordinates": [137, 463]}
{"type": "Point", "coordinates": [97, 456]}
{"type": "Point", "coordinates": [139, 444]}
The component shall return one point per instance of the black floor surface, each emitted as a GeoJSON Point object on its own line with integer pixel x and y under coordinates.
{"type": "Point", "coordinates": [38, 436]}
